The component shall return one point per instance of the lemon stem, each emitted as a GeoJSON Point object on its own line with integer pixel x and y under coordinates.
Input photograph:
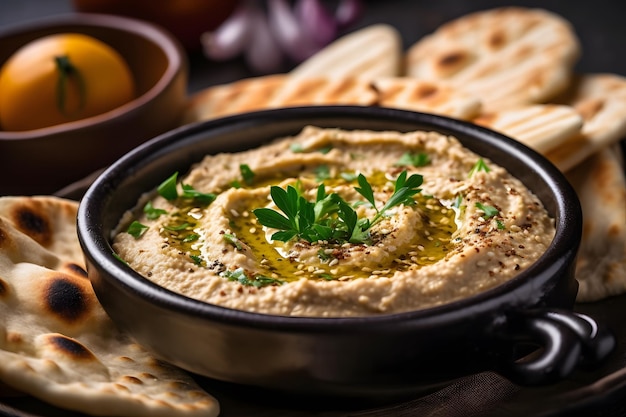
{"type": "Point", "coordinates": [66, 71]}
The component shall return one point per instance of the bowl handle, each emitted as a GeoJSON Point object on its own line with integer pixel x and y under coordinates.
{"type": "Point", "coordinates": [568, 340]}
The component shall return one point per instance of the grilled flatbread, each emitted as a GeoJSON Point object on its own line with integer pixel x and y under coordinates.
{"type": "Point", "coordinates": [542, 127]}
{"type": "Point", "coordinates": [372, 52]}
{"type": "Point", "coordinates": [601, 101]}
{"type": "Point", "coordinates": [601, 187]}
{"type": "Point", "coordinates": [426, 96]}
{"type": "Point", "coordinates": [506, 56]}
{"type": "Point", "coordinates": [57, 343]}
{"type": "Point", "coordinates": [274, 91]}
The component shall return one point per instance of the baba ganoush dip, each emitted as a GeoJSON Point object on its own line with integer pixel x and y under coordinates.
{"type": "Point", "coordinates": [334, 223]}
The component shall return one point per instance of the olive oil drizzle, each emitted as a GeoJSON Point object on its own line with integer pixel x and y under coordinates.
{"type": "Point", "coordinates": [429, 245]}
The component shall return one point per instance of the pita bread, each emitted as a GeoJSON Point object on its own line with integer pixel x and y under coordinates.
{"type": "Point", "coordinates": [274, 91]}
{"type": "Point", "coordinates": [506, 56]}
{"type": "Point", "coordinates": [426, 96]}
{"type": "Point", "coordinates": [57, 343]}
{"type": "Point", "coordinates": [601, 101]}
{"type": "Point", "coordinates": [540, 126]}
{"type": "Point", "coordinates": [601, 187]}
{"type": "Point", "coordinates": [372, 52]}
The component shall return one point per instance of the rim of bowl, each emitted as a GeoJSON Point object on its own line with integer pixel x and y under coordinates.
{"type": "Point", "coordinates": [154, 33]}
{"type": "Point", "coordinates": [568, 223]}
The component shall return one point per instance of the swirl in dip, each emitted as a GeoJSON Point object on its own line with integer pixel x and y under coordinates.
{"type": "Point", "coordinates": [337, 223]}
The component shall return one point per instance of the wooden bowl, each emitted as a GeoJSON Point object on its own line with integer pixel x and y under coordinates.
{"type": "Point", "coordinates": [44, 160]}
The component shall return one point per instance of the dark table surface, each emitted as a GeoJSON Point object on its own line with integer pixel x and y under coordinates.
{"type": "Point", "coordinates": [602, 31]}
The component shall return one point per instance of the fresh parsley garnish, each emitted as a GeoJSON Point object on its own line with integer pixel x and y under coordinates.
{"type": "Point", "coordinates": [348, 176]}
{"type": "Point", "coordinates": [480, 165]}
{"type": "Point", "coordinates": [167, 189]}
{"type": "Point", "coordinates": [322, 173]}
{"type": "Point", "coordinates": [192, 237]}
{"type": "Point", "coordinates": [196, 259]}
{"type": "Point", "coordinates": [151, 212]}
{"type": "Point", "coordinates": [233, 240]}
{"type": "Point", "coordinates": [177, 227]}
{"type": "Point", "coordinates": [489, 211]}
{"type": "Point", "coordinates": [246, 173]}
{"type": "Point", "coordinates": [239, 275]}
{"type": "Point", "coordinates": [136, 229]}
{"type": "Point", "coordinates": [330, 217]}
{"type": "Point", "coordinates": [296, 147]}
{"type": "Point", "coordinates": [119, 258]}
{"type": "Point", "coordinates": [413, 159]}
{"type": "Point", "coordinates": [325, 149]}
{"type": "Point", "coordinates": [190, 192]}
{"type": "Point", "coordinates": [458, 201]}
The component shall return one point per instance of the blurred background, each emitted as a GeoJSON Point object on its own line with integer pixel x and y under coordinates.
{"type": "Point", "coordinates": [599, 24]}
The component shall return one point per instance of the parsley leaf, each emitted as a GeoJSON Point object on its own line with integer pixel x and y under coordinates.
{"type": "Point", "coordinates": [136, 229]}
{"type": "Point", "coordinates": [233, 240]}
{"type": "Point", "coordinates": [240, 276]}
{"type": "Point", "coordinates": [296, 147]}
{"type": "Point", "coordinates": [151, 212]}
{"type": "Point", "coordinates": [480, 165]}
{"type": "Point", "coordinates": [330, 217]}
{"type": "Point", "coordinates": [489, 211]}
{"type": "Point", "coordinates": [190, 192]}
{"type": "Point", "coordinates": [413, 159]}
{"type": "Point", "coordinates": [167, 189]}
{"type": "Point", "coordinates": [322, 173]}
{"type": "Point", "coordinates": [246, 173]}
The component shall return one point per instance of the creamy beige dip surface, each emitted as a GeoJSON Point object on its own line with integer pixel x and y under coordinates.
{"type": "Point", "coordinates": [470, 228]}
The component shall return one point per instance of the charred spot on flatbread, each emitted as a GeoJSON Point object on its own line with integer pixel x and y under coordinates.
{"type": "Point", "coordinates": [67, 300]}
{"type": "Point", "coordinates": [453, 61]}
{"type": "Point", "coordinates": [33, 222]}
{"type": "Point", "coordinates": [3, 237]}
{"type": "Point", "coordinates": [4, 288]}
{"type": "Point", "coordinates": [75, 269]}
{"type": "Point", "coordinates": [69, 347]}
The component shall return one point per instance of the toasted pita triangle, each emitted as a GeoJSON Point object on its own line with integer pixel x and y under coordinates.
{"type": "Point", "coordinates": [274, 91]}
{"type": "Point", "coordinates": [507, 56]}
{"type": "Point", "coordinates": [601, 101]}
{"type": "Point", "coordinates": [601, 187]}
{"type": "Point", "coordinates": [426, 96]}
{"type": "Point", "coordinates": [368, 53]}
{"type": "Point", "coordinates": [540, 126]}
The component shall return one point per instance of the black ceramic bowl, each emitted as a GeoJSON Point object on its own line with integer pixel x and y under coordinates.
{"type": "Point", "coordinates": [368, 356]}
